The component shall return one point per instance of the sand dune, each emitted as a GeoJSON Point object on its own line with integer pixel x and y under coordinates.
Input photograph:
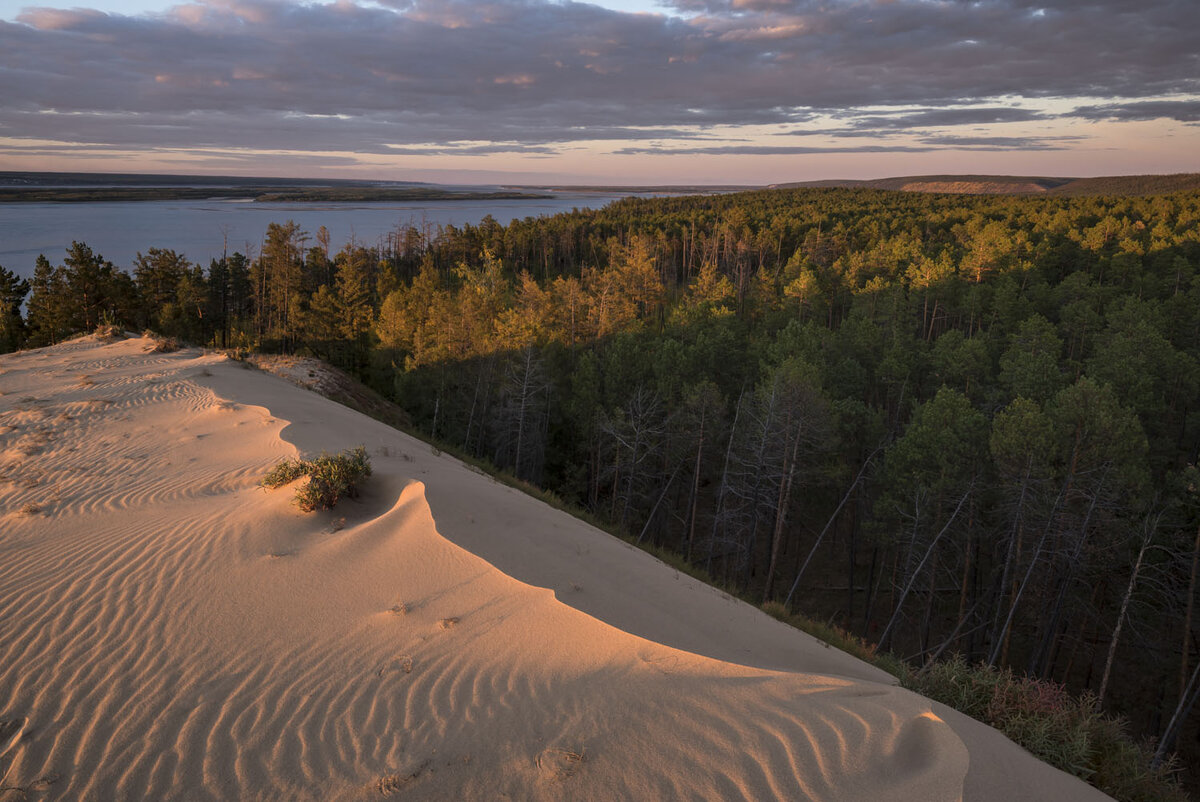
{"type": "Point", "coordinates": [169, 630]}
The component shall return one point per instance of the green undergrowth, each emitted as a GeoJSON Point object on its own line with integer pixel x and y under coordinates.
{"type": "Point", "coordinates": [836, 636]}
{"type": "Point", "coordinates": [331, 477]}
{"type": "Point", "coordinates": [1067, 731]}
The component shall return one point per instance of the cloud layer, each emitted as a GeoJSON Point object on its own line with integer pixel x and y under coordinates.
{"type": "Point", "coordinates": [436, 77]}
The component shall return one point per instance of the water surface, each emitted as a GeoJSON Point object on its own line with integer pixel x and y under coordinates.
{"type": "Point", "coordinates": [202, 230]}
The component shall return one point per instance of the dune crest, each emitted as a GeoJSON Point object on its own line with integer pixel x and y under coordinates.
{"type": "Point", "coordinates": [170, 630]}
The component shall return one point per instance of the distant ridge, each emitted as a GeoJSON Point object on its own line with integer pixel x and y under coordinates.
{"type": "Point", "coordinates": [44, 179]}
{"type": "Point", "coordinates": [1017, 185]}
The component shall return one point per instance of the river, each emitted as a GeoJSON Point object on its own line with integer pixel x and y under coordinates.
{"type": "Point", "coordinates": [201, 230]}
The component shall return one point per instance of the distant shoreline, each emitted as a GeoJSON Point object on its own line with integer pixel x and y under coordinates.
{"type": "Point", "coordinates": [261, 194]}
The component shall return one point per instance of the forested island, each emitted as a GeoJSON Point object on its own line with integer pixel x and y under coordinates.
{"type": "Point", "coordinates": [18, 187]}
{"type": "Point", "coordinates": [261, 194]}
{"type": "Point", "coordinates": [947, 424]}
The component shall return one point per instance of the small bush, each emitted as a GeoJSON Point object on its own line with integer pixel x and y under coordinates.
{"type": "Point", "coordinates": [109, 333]}
{"type": "Point", "coordinates": [331, 477]}
{"type": "Point", "coordinates": [285, 472]}
{"type": "Point", "coordinates": [160, 344]}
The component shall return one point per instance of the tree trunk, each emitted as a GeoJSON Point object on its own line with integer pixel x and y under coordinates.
{"type": "Point", "coordinates": [1186, 701]}
{"type": "Point", "coordinates": [829, 523]}
{"type": "Point", "coordinates": [781, 505]}
{"type": "Point", "coordinates": [1187, 618]}
{"type": "Point", "coordinates": [724, 483]}
{"type": "Point", "coordinates": [1040, 661]}
{"type": "Point", "coordinates": [912, 580]}
{"type": "Point", "coordinates": [1002, 639]}
{"type": "Point", "coordinates": [1012, 552]}
{"type": "Point", "coordinates": [695, 500]}
{"type": "Point", "coordinates": [1116, 636]}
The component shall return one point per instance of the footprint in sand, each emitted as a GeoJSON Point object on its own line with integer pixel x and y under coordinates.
{"type": "Point", "coordinates": [557, 763]}
{"type": "Point", "coordinates": [12, 730]}
{"type": "Point", "coordinates": [392, 784]}
{"type": "Point", "coordinates": [10, 733]}
{"type": "Point", "coordinates": [397, 665]}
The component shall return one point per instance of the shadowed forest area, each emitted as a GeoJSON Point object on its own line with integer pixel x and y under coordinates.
{"type": "Point", "coordinates": [948, 424]}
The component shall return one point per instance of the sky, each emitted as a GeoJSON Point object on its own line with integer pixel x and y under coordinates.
{"type": "Point", "coordinates": [616, 92]}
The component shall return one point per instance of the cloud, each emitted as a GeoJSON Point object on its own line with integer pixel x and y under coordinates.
{"type": "Point", "coordinates": [1022, 143]}
{"type": "Point", "coordinates": [1181, 110]}
{"type": "Point", "coordinates": [766, 150]}
{"type": "Point", "coordinates": [937, 118]}
{"type": "Point", "coordinates": [532, 75]}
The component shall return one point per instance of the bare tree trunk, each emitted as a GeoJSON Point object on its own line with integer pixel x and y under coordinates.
{"type": "Point", "coordinates": [1001, 641]}
{"type": "Point", "coordinates": [661, 496]}
{"type": "Point", "coordinates": [1187, 618]}
{"type": "Point", "coordinates": [1186, 701]}
{"type": "Point", "coordinates": [954, 635]}
{"type": "Point", "coordinates": [928, 619]}
{"type": "Point", "coordinates": [873, 580]}
{"type": "Point", "coordinates": [695, 500]}
{"type": "Point", "coordinates": [829, 523]}
{"type": "Point", "coordinates": [912, 580]}
{"type": "Point", "coordinates": [1040, 661]}
{"type": "Point", "coordinates": [966, 572]}
{"type": "Point", "coordinates": [724, 482]}
{"type": "Point", "coordinates": [785, 493]}
{"type": "Point", "coordinates": [1116, 637]}
{"type": "Point", "coordinates": [1010, 554]}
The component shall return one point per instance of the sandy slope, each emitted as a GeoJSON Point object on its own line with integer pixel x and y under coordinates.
{"type": "Point", "coordinates": [168, 630]}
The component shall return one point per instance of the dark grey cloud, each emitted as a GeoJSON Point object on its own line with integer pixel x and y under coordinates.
{"type": "Point", "coordinates": [1002, 142]}
{"type": "Point", "coordinates": [939, 118]}
{"type": "Point", "coordinates": [532, 74]}
{"type": "Point", "coordinates": [767, 150]}
{"type": "Point", "coordinates": [1181, 110]}
{"type": "Point", "coordinates": [920, 144]}
{"type": "Point", "coordinates": [883, 126]}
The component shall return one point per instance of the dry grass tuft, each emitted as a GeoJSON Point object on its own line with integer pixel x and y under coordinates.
{"type": "Point", "coordinates": [109, 334]}
{"type": "Point", "coordinates": [163, 345]}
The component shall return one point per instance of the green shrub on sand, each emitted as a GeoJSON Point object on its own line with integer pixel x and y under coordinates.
{"type": "Point", "coordinates": [330, 477]}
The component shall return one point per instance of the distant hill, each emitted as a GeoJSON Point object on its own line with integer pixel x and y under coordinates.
{"type": "Point", "coordinates": [18, 187]}
{"type": "Point", "coordinates": [1018, 185]}
{"type": "Point", "coordinates": [110, 180]}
